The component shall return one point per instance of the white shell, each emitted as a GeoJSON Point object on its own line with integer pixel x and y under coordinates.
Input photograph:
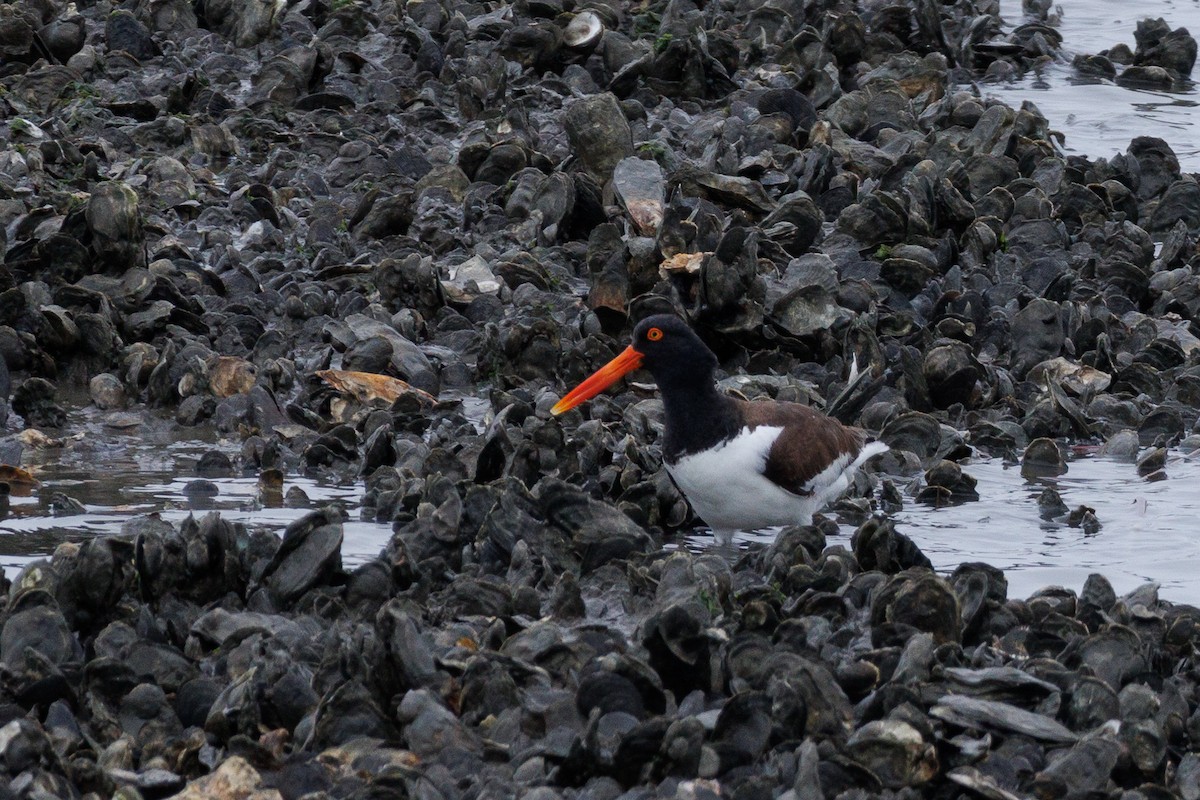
{"type": "Point", "coordinates": [584, 30]}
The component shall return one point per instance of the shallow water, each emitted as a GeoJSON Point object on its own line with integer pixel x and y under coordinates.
{"type": "Point", "coordinates": [1150, 529]}
{"type": "Point", "coordinates": [120, 474]}
{"type": "Point", "coordinates": [1100, 118]}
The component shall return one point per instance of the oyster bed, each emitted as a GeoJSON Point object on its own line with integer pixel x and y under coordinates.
{"type": "Point", "coordinates": [376, 240]}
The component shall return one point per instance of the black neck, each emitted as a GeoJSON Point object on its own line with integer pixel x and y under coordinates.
{"type": "Point", "coordinates": [697, 417]}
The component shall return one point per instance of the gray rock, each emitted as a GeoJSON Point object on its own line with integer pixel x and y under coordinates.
{"type": "Point", "coordinates": [107, 392]}
{"type": "Point", "coordinates": [41, 628]}
{"type": "Point", "coordinates": [598, 133]}
{"type": "Point", "coordinates": [1037, 334]}
{"type": "Point", "coordinates": [1158, 45]}
{"type": "Point", "coordinates": [975, 713]}
{"type": "Point", "coordinates": [244, 22]}
{"type": "Point", "coordinates": [124, 31]}
{"type": "Point", "coordinates": [115, 225]}
{"type": "Point", "coordinates": [895, 752]}
{"type": "Point", "coordinates": [641, 187]}
{"type": "Point", "coordinates": [311, 551]}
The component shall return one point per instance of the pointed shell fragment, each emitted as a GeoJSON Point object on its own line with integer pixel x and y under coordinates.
{"type": "Point", "coordinates": [641, 186]}
{"type": "Point", "coordinates": [366, 387]}
{"type": "Point", "coordinates": [974, 713]}
{"type": "Point", "coordinates": [686, 263]}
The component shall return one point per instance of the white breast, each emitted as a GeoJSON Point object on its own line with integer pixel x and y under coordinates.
{"type": "Point", "coordinates": [728, 490]}
{"type": "Point", "coordinates": [726, 487]}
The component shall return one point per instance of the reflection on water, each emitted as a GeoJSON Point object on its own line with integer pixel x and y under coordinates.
{"type": "Point", "coordinates": [1099, 117]}
{"type": "Point", "coordinates": [119, 474]}
{"type": "Point", "coordinates": [1148, 529]}
{"type": "Point", "coordinates": [1151, 530]}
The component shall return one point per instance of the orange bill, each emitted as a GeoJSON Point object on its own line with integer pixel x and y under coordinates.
{"type": "Point", "coordinates": [601, 379]}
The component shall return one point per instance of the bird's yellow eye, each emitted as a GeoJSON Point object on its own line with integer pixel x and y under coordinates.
{"type": "Point", "coordinates": [654, 334]}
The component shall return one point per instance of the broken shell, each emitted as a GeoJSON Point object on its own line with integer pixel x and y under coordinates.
{"type": "Point", "coordinates": [641, 186]}
{"type": "Point", "coordinates": [366, 387]}
{"type": "Point", "coordinates": [583, 31]}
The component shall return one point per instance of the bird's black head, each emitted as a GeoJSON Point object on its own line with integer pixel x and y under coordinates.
{"type": "Point", "coordinates": [664, 345]}
{"type": "Point", "coordinates": [672, 352]}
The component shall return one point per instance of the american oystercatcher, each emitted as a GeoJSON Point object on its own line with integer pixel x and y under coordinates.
{"type": "Point", "coordinates": [742, 465]}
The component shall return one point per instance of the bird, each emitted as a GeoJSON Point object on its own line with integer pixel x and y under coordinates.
{"type": "Point", "coordinates": [743, 465]}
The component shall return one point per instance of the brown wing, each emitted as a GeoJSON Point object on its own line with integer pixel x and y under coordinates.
{"type": "Point", "coordinates": [809, 442]}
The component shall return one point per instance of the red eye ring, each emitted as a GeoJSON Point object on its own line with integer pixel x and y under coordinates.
{"type": "Point", "coordinates": [654, 334]}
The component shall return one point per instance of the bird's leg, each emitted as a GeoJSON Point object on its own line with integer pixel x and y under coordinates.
{"type": "Point", "coordinates": [724, 537]}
